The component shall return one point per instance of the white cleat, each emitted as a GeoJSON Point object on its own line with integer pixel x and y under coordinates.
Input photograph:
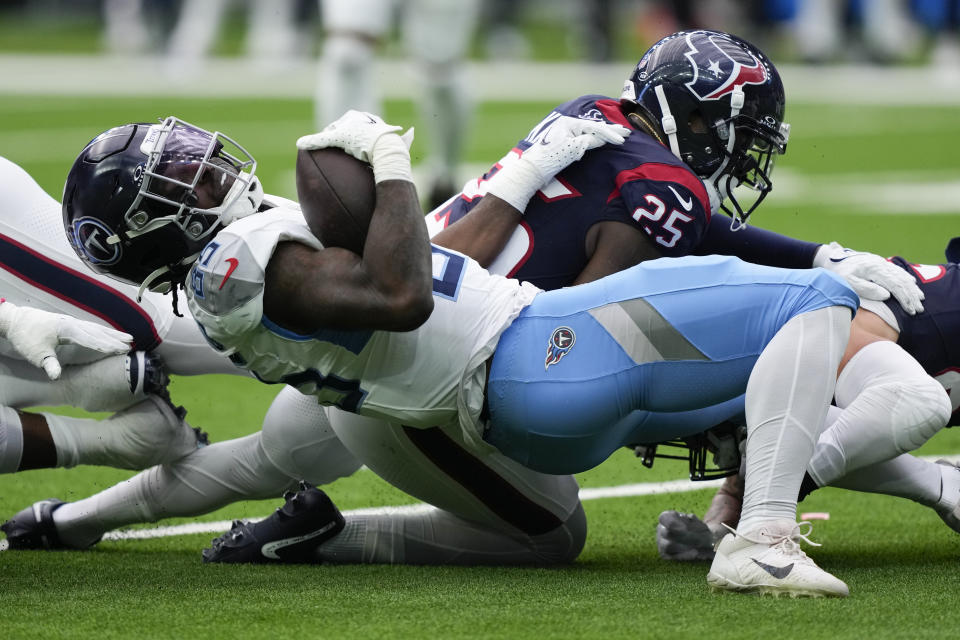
{"type": "Point", "coordinates": [768, 561]}
{"type": "Point", "coordinates": [951, 516]}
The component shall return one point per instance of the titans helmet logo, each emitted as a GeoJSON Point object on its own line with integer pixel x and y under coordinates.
{"type": "Point", "coordinates": [90, 237]}
{"type": "Point", "coordinates": [561, 341]}
{"type": "Point", "coordinates": [729, 66]}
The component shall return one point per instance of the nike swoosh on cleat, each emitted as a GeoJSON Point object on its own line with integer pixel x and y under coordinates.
{"type": "Point", "coordinates": [777, 572]}
{"type": "Point", "coordinates": [839, 259]}
{"type": "Point", "coordinates": [270, 549]}
{"type": "Point", "coordinates": [686, 204]}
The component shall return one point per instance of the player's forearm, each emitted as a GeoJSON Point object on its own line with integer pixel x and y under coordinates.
{"type": "Point", "coordinates": [483, 232]}
{"type": "Point", "coordinates": [397, 256]}
{"type": "Point", "coordinates": [755, 245]}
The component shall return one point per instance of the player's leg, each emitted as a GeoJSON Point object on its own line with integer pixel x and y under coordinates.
{"type": "Point", "coordinates": [492, 510]}
{"type": "Point", "coordinates": [437, 35]}
{"type": "Point", "coordinates": [487, 510]}
{"type": "Point", "coordinates": [195, 31]}
{"type": "Point", "coordinates": [935, 485]}
{"type": "Point", "coordinates": [296, 442]}
{"type": "Point", "coordinates": [347, 75]}
{"type": "Point", "coordinates": [786, 404]}
{"type": "Point", "coordinates": [272, 36]}
{"type": "Point", "coordinates": [147, 433]}
{"type": "Point", "coordinates": [889, 406]}
{"type": "Point", "coordinates": [109, 384]}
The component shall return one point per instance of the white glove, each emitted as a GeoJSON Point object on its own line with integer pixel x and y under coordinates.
{"type": "Point", "coordinates": [368, 138]}
{"type": "Point", "coordinates": [871, 276]}
{"type": "Point", "coordinates": [560, 144]}
{"type": "Point", "coordinates": [684, 537]}
{"type": "Point", "coordinates": [35, 335]}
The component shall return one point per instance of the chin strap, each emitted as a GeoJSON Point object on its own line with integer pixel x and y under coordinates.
{"type": "Point", "coordinates": [162, 287]}
{"type": "Point", "coordinates": [726, 183]}
{"type": "Point", "coordinates": [165, 286]}
{"type": "Point", "coordinates": [668, 123]}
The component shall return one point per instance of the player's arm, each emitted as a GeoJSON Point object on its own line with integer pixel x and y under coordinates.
{"type": "Point", "coordinates": [483, 232]}
{"type": "Point", "coordinates": [612, 247]}
{"type": "Point", "coordinates": [871, 276]}
{"type": "Point", "coordinates": [756, 245]}
{"type": "Point", "coordinates": [390, 286]}
{"type": "Point", "coordinates": [35, 334]}
{"type": "Point", "coordinates": [556, 143]}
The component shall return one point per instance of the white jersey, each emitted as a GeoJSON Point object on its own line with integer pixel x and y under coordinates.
{"type": "Point", "coordinates": [428, 377]}
{"type": "Point", "coordinates": [39, 268]}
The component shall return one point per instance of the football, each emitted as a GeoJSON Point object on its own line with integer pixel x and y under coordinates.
{"type": "Point", "coordinates": [337, 195]}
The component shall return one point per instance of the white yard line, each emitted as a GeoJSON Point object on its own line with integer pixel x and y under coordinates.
{"type": "Point", "coordinates": [598, 493]}
{"type": "Point", "coordinates": [622, 491]}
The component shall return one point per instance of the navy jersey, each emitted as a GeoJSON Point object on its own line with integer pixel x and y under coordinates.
{"type": "Point", "coordinates": [640, 183]}
{"type": "Point", "coordinates": [933, 337]}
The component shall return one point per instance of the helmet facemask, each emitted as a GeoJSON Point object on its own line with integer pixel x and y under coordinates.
{"type": "Point", "coordinates": [195, 180]}
{"type": "Point", "coordinates": [750, 148]}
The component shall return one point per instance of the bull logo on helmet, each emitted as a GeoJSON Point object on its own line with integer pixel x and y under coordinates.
{"type": "Point", "coordinates": [729, 66]}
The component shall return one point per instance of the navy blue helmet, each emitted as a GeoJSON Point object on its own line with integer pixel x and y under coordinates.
{"type": "Point", "coordinates": [719, 102]}
{"type": "Point", "coordinates": [142, 200]}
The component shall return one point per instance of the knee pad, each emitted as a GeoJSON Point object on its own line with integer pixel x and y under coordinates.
{"type": "Point", "coordinates": [563, 544]}
{"type": "Point", "coordinates": [914, 404]}
{"type": "Point", "coordinates": [298, 439]}
{"type": "Point", "coordinates": [146, 434]}
{"type": "Point", "coordinates": [922, 409]}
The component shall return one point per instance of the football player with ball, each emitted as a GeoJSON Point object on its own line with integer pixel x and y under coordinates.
{"type": "Point", "coordinates": [345, 311]}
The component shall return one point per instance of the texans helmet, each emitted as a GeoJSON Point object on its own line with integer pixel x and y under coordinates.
{"type": "Point", "coordinates": [142, 200]}
{"type": "Point", "coordinates": [719, 102]}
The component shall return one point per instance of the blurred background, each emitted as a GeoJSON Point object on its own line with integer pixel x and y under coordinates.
{"type": "Point", "coordinates": [873, 88]}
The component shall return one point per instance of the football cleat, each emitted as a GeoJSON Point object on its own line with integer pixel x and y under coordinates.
{"type": "Point", "coordinates": [307, 519]}
{"type": "Point", "coordinates": [33, 527]}
{"type": "Point", "coordinates": [769, 561]}
{"type": "Point", "coordinates": [950, 516]}
{"type": "Point", "coordinates": [683, 537]}
{"type": "Point", "coordinates": [146, 374]}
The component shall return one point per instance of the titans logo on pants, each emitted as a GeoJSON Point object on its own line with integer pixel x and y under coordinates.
{"type": "Point", "coordinates": [561, 341]}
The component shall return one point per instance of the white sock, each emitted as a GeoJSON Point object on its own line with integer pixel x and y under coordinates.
{"type": "Point", "coordinates": [906, 477]}
{"type": "Point", "coordinates": [431, 536]}
{"type": "Point", "coordinates": [786, 403]}
{"type": "Point", "coordinates": [11, 440]}
{"type": "Point", "coordinates": [136, 438]}
{"type": "Point", "coordinates": [206, 479]}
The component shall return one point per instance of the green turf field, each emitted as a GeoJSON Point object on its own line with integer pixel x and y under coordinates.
{"type": "Point", "coordinates": [901, 563]}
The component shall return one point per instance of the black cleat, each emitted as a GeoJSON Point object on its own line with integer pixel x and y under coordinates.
{"type": "Point", "coordinates": [290, 535]}
{"type": "Point", "coordinates": [33, 528]}
{"type": "Point", "coordinates": [146, 374]}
